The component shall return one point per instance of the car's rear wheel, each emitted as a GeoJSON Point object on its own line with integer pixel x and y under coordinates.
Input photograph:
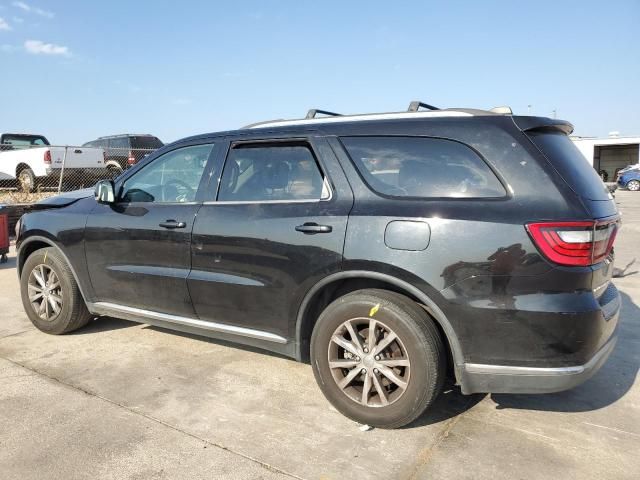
{"type": "Point", "coordinates": [50, 294]}
{"type": "Point", "coordinates": [633, 185]}
{"type": "Point", "coordinates": [378, 358]}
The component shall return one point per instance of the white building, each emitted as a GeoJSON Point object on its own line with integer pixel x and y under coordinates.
{"type": "Point", "coordinates": [608, 155]}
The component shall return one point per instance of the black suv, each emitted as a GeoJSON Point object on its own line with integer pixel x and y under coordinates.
{"type": "Point", "coordinates": [387, 250]}
{"type": "Point", "coordinates": [123, 151]}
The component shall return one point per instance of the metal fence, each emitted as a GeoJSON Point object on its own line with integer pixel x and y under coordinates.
{"type": "Point", "coordinates": [31, 173]}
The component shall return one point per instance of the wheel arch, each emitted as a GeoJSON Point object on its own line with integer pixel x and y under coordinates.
{"type": "Point", "coordinates": [330, 285]}
{"type": "Point", "coordinates": [22, 166]}
{"type": "Point", "coordinates": [37, 242]}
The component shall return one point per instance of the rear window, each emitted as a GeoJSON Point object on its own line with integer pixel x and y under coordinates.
{"type": "Point", "coordinates": [422, 167]}
{"type": "Point", "coordinates": [570, 164]}
{"type": "Point", "coordinates": [24, 140]}
{"type": "Point", "coordinates": [146, 142]}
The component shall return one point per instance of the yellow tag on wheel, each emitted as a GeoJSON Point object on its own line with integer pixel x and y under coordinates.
{"type": "Point", "coordinates": [374, 310]}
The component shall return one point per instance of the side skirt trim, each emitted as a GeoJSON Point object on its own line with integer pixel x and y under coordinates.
{"type": "Point", "coordinates": [139, 314]}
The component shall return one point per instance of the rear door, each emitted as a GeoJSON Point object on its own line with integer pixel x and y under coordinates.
{"type": "Point", "coordinates": [277, 227]}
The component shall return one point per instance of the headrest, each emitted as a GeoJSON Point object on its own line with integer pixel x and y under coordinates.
{"type": "Point", "coordinates": [275, 174]}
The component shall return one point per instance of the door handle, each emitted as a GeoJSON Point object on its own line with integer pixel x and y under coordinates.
{"type": "Point", "coordinates": [173, 224]}
{"type": "Point", "coordinates": [313, 228]}
{"type": "Point", "coordinates": [77, 150]}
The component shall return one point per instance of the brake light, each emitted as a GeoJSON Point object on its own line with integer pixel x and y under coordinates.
{"type": "Point", "coordinates": [131, 160]}
{"type": "Point", "coordinates": [47, 157]}
{"type": "Point", "coordinates": [574, 243]}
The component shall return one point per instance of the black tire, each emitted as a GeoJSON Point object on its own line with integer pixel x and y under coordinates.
{"type": "Point", "coordinates": [27, 180]}
{"type": "Point", "coordinates": [420, 338]}
{"type": "Point", "coordinates": [73, 314]}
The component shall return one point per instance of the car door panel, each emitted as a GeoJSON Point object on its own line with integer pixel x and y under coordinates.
{"type": "Point", "coordinates": [139, 252]}
{"type": "Point", "coordinates": [135, 262]}
{"type": "Point", "coordinates": [250, 266]}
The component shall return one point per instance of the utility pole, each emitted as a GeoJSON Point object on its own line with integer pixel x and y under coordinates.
{"type": "Point", "coordinates": [554, 113]}
{"type": "Point", "coordinates": [528, 109]}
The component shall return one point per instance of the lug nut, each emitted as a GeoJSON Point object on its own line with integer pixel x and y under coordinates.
{"type": "Point", "coordinates": [357, 359]}
{"type": "Point", "coordinates": [363, 371]}
{"type": "Point", "coordinates": [375, 370]}
{"type": "Point", "coordinates": [377, 357]}
{"type": "Point", "coordinates": [366, 350]}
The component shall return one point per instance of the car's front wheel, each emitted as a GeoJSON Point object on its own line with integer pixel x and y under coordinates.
{"type": "Point", "coordinates": [50, 294]}
{"type": "Point", "coordinates": [378, 357]}
{"type": "Point", "coordinates": [633, 185]}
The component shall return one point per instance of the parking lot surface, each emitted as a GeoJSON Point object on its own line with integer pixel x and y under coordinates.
{"type": "Point", "coordinates": [122, 400]}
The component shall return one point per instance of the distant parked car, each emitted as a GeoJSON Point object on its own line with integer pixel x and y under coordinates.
{"type": "Point", "coordinates": [122, 151]}
{"type": "Point", "coordinates": [32, 161]}
{"type": "Point", "coordinates": [630, 179]}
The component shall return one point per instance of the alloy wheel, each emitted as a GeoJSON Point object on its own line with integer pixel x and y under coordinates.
{"type": "Point", "coordinates": [369, 362]}
{"type": "Point", "coordinates": [45, 292]}
{"type": "Point", "coordinates": [633, 185]}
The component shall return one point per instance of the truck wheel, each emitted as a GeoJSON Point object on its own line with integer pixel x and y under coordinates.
{"type": "Point", "coordinates": [378, 358]}
{"type": "Point", "coordinates": [27, 180]}
{"type": "Point", "coordinates": [113, 170]}
{"type": "Point", "coordinates": [50, 294]}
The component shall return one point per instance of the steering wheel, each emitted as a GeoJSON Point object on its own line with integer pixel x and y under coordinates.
{"type": "Point", "coordinates": [183, 189]}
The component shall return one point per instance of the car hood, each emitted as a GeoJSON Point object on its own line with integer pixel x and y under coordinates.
{"type": "Point", "coordinates": [64, 199]}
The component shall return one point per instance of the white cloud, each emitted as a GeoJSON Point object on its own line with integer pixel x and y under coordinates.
{"type": "Point", "coordinates": [4, 25]}
{"type": "Point", "coordinates": [31, 9]}
{"type": "Point", "coordinates": [37, 47]}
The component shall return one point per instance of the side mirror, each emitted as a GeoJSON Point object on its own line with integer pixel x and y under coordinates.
{"type": "Point", "coordinates": [105, 192]}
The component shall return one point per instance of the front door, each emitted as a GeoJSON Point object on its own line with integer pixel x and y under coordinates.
{"type": "Point", "coordinates": [138, 249]}
{"type": "Point", "coordinates": [277, 227]}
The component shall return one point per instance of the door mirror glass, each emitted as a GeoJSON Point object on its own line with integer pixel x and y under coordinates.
{"type": "Point", "coordinates": [105, 192]}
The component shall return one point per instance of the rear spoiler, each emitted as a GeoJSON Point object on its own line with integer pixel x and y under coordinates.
{"type": "Point", "coordinates": [528, 124]}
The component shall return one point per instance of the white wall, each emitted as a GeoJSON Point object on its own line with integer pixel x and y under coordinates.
{"type": "Point", "coordinates": [586, 145]}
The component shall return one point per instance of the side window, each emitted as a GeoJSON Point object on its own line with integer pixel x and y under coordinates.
{"type": "Point", "coordinates": [119, 143]}
{"type": "Point", "coordinates": [171, 178]}
{"type": "Point", "coordinates": [259, 173]}
{"type": "Point", "coordinates": [422, 167]}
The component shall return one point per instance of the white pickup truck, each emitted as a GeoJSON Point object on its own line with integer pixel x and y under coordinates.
{"type": "Point", "coordinates": [34, 162]}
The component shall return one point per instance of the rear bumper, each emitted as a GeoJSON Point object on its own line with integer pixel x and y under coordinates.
{"type": "Point", "coordinates": [479, 378]}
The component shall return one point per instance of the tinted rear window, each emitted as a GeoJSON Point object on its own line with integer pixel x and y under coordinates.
{"type": "Point", "coordinates": [146, 142]}
{"type": "Point", "coordinates": [24, 140]}
{"type": "Point", "coordinates": [570, 164]}
{"type": "Point", "coordinates": [422, 167]}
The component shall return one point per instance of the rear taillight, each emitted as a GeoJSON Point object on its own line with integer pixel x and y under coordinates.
{"type": "Point", "coordinates": [131, 160]}
{"type": "Point", "coordinates": [574, 243]}
{"type": "Point", "coordinates": [47, 157]}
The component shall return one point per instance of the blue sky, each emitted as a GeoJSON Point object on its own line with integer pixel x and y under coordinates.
{"type": "Point", "coordinates": [76, 70]}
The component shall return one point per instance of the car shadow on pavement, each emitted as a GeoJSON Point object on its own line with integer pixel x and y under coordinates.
{"type": "Point", "coordinates": [11, 263]}
{"type": "Point", "coordinates": [224, 343]}
{"type": "Point", "coordinates": [609, 385]}
{"type": "Point", "coordinates": [104, 324]}
{"type": "Point", "coordinates": [449, 404]}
